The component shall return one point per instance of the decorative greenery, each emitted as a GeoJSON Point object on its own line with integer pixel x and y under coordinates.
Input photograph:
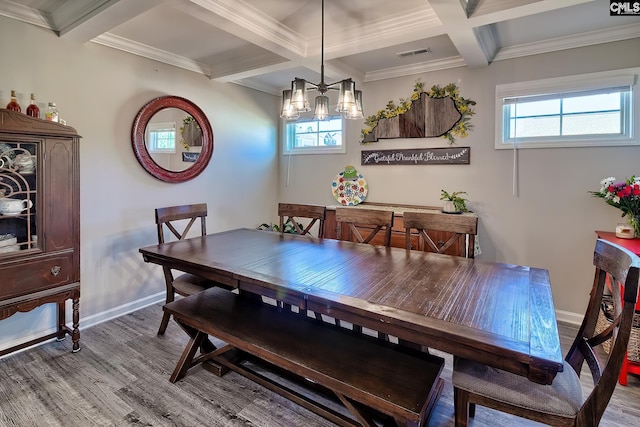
{"type": "Point", "coordinates": [186, 121]}
{"type": "Point", "coordinates": [288, 227]}
{"type": "Point", "coordinates": [623, 195]}
{"type": "Point", "coordinates": [461, 128]}
{"type": "Point", "coordinates": [459, 202]}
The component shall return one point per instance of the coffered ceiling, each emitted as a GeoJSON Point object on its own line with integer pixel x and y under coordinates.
{"type": "Point", "coordinates": [263, 44]}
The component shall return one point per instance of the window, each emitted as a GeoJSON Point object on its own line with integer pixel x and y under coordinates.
{"type": "Point", "coordinates": [585, 110]}
{"type": "Point", "coordinates": [314, 136]}
{"type": "Point", "coordinates": [162, 137]}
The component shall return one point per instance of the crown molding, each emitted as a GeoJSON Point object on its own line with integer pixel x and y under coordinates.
{"type": "Point", "coordinates": [139, 49]}
{"type": "Point", "coordinates": [419, 68]}
{"type": "Point", "coordinates": [26, 14]}
{"type": "Point", "coordinates": [570, 42]}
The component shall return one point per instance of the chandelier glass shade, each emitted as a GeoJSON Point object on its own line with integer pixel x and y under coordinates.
{"type": "Point", "coordinates": [296, 101]}
{"type": "Point", "coordinates": [288, 112]}
{"type": "Point", "coordinates": [355, 112]}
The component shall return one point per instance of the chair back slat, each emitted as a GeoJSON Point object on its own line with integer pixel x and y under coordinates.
{"type": "Point", "coordinates": [593, 361]}
{"type": "Point", "coordinates": [170, 216]}
{"type": "Point", "coordinates": [463, 227]}
{"type": "Point", "coordinates": [293, 211]}
{"type": "Point", "coordinates": [357, 219]}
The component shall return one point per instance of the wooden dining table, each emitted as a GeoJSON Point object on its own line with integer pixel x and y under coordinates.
{"type": "Point", "coordinates": [494, 313]}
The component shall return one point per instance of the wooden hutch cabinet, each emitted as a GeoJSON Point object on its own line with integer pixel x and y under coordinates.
{"type": "Point", "coordinates": [39, 220]}
{"type": "Point", "coordinates": [398, 237]}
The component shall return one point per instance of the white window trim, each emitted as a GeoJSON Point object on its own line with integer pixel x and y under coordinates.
{"type": "Point", "coordinates": [311, 150]}
{"type": "Point", "coordinates": [591, 81]}
{"type": "Point", "coordinates": [162, 126]}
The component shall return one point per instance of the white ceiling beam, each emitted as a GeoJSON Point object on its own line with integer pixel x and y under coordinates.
{"type": "Point", "coordinates": [465, 37]}
{"type": "Point", "coordinates": [244, 21]}
{"type": "Point", "coordinates": [257, 71]}
{"type": "Point", "coordinates": [414, 25]}
{"type": "Point", "coordinates": [228, 70]}
{"type": "Point", "coordinates": [240, 19]}
{"type": "Point", "coordinates": [511, 9]}
{"type": "Point", "coordinates": [82, 21]}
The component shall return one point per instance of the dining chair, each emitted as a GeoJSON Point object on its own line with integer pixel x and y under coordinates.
{"type": "Point", "coordinates": [293, 211]}
{"type": "Point", "coordinates": [463, 229]}
{"type": "Point", "coordinates": [174, 218]}
{"type": "Point", "coordinates": [369, 221]}
{"type": "Point", "coordinates": [562, 403]}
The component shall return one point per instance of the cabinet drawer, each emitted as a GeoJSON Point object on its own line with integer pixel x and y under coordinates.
{"type": "Point", "coordinates": [35, 275]}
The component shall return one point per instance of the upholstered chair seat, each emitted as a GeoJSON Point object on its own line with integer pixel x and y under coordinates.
{"type": "Point", "coordinates": [562, 398]}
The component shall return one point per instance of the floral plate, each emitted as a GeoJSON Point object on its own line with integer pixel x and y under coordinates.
{"type": "Point", "coordinates": [350, 190]}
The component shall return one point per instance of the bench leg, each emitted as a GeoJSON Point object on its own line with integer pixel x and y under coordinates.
{"type": "Point", "coordinates": [187, 357]}
{"type": "Point", "coordinates": [361, 415]}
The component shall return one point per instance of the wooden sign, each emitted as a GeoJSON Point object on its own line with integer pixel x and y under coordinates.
{"type": "Point", "coordinates": [427, 117]}
{"type": "Point", "coordinates": [189, 157]}
{"type": "Point", "coordinates": [426, 156]}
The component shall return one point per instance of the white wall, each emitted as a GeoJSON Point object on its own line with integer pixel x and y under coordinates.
{"type": "Point", "coordinates": [550, 225]}
{"type": "Point", "coordinates": [99, 91]}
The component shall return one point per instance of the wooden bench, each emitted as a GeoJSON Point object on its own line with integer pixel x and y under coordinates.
{"type": "Point", "coordinates": [363, 372]}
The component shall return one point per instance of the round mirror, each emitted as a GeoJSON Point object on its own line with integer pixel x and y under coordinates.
{"type": "Point", "coordinates": [172, 139]}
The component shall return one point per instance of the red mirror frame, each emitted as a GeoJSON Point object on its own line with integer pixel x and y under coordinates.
{"type": "Point", "coordinates": [140, 149]}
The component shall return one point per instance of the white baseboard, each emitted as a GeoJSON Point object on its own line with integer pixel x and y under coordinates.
{"type": "Point", "coordinates": [569, 318]}
{"type": "Point", "coordinates": [89, 321]}
{"type": "Point", "coordinates": [130, 307]}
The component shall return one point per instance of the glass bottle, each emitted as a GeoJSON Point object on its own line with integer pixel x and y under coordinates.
{"type": "Point", "coordinates": [32, 109]}
{"type": "Point", "coordinates": [13, 104]}
{"type": "Point", "coordinates": [52, 112]}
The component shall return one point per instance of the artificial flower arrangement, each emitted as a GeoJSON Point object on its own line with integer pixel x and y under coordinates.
{"type": "Point", "coordinates": [461, 128]}
{"type": "Point", "coordinates": [624, 195]}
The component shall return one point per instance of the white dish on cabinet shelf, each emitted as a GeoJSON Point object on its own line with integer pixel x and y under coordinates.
{"type": "Point", "coordinates": [7, 241]}
{"type": "Point", "coordinates": [7, 249]}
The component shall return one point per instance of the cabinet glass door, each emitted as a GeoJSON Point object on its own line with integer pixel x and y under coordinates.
{"type": "Point", "coordinates": [18, 197]}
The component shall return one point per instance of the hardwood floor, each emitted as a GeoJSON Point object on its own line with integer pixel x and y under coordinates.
{"type": "Point", "coordinates": [120, 378]}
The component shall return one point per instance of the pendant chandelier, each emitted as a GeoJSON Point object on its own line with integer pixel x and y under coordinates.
{"type": "Point", "coordinates": [295, 101]}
